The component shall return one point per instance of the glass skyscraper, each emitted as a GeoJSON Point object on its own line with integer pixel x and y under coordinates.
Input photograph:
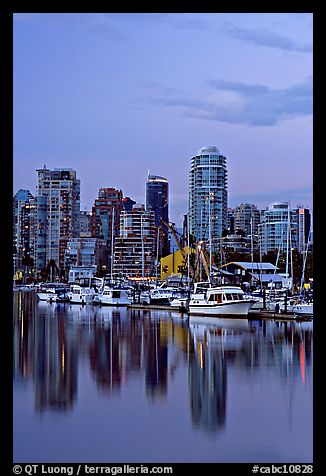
{"type": "Point", "coordinates": [208, 195]}
{"type": "Point", "coordinates": [279, 228]}
{"type": "Point", "coordinates": [157, 200]}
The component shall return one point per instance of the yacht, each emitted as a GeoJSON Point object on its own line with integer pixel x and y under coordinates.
{"type": "Point", "coordinates": [113, 296]}
{"type": "Point", "coordinates": [159, 296]}
{"type": "Point", "coordinates": [304, 308]}
{"type": "Point", "coordinates": [219, 300]}
{"type": "Point", "coordinates": [52, 291]}
{"type": "Point", "coordinates": [81, 294]}
{"type": "Point", "coordinates": [85, 291]}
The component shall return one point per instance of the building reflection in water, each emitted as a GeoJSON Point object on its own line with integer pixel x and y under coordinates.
{"type": "Point", "coordinates": [51, 340]}
{"type": "Point", "coordinates": [45, 352]}
{"type": "Point", "coordinates": [104, 356]}
{"type": "Point", "coordinates": [207, 380]}
{"type": "Point", "coordinates": [155, 359]}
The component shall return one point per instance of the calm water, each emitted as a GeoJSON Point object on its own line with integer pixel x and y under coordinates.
{"type": "Point", "coordinates": [101, 384]}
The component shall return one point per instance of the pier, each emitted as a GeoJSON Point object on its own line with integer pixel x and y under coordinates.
{"type": "Point", "coordinates": [252, 315]}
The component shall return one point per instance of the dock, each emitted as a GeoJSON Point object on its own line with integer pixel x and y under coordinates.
{"type": "Point", "coordinates": [252, 315]}
{"type": "Point", "coordinates": [158, 307]}
{"type": "Point", "coordinates": [266, 314]}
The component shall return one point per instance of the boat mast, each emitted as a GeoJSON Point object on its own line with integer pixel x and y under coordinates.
{"type": "Point", "coordinates": [252, 248]}
{"type": "Point", "coordinates": [188, 243]}
{"type": "Point", "coordinates": [304, 262]}
{"type": "Point", "coordinates": [209, 217]}
{"type": "Point", "coordinates": [112, 242]}
{"type": "Point", "coordinates": [291, 261]}
{"type": "Point", "coordinates": [287, 245]}
{"type": "Point", "coordinates": [201, 234]}
{"type": "Point", "coordinates": [142, 248]}
{"type": "Point", "coordinates": [157, 247]}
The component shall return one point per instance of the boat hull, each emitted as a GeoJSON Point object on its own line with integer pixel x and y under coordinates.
{"type": "Point", "coordinates": [42, 296]}
{"type": "Point", "coordinates": [81, 299]}
{"type": "Point", "coordinates": [303, 309]}
{"type": "Point", "coordinates": [113, 302]}
{"type": "Point", "coordinates": [224, 309]}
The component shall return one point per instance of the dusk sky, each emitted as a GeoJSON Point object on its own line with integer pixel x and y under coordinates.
{"type": "Point", "coordinates": [116, 95]}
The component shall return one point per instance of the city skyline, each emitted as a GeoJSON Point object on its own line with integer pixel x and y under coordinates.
{"type": "Point", "coordinates": [115, 95]}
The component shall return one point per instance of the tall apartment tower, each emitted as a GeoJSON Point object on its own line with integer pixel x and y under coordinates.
{"type": "Point", "coordinates": [105, 219]}
{"type": "Point", "coordinates": [278, 229]}
{"type": "Point", "coordinates": [24, 230]}
{"type": "Point", "coordinates": [247, 218]}
{"type": "Point", "coordinates": [157, 200]}
{"type": "Point", "coordinates": [208, 195]}
{"type": "Point", "coordinates": [85, 224]}
{"type": "Point", "coordinates": [58, 214]}
{"type": "Point", "coordinates": [134, 249]}
{"type": "Point", "coordinates": [304, 225]}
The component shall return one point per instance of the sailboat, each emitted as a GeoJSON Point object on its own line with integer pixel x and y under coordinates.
{"type": "Point", "coordinates": [304, 308]}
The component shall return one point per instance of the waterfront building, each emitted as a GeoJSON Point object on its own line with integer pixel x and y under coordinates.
{"type": "Point", "coordinates": [208, 195]}
{"type": "Point", "coordinates": [247, 218]}
{"type": "Point", "coordinates": [157, 199]}
{"type": "Point", "coordinates": [106, 217]}
{"type": "Point", "coordinates": [256, 273]}
{"type": "Point", "coordinates": [77, 272]}
{"type": "Point", "coordinates": [304, 227]}
{"type": "Point", "coordinates": [279, 228]}
{"type": "Point", "coordinates": [58, 214]}
{"type": "Point", "coordinates": [86, 252]}
{"type": "Point", "coordinates": [135, 248]}
{"type": "Point", "coordinates": [85, 224]}
{"type": "Point", "coordinates": [24, 232]}
{"type": "Point", "coordinates": [175, 263]}
{"type": "Point", "coordinates": [236, 242]}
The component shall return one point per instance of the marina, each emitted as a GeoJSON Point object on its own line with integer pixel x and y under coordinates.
{"type": "Point", "coordinates": [149, 385]}
{"type": "Point", "coordinates": [162, 230]}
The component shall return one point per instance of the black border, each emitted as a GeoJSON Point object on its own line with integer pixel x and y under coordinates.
{"type": "Point", "coordinates": [8, 9]}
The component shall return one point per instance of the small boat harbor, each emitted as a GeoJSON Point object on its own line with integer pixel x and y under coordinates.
{"type": "Point", "coordinates": [205, 300]}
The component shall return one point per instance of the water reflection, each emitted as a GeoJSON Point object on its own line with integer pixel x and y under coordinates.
{"type": "Point", "coordinates": [207, 379]}
{"type": "Point", "coordinates": [51, 341]}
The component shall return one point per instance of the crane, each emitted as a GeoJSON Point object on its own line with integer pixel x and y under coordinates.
{"type": "Point", "coordinates": [171, 227]}
{"type": "Point", "coordinates": [201, 251]}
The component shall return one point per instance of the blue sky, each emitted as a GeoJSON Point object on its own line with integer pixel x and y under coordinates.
{"type": "Point", "coordinates": [116, 95]}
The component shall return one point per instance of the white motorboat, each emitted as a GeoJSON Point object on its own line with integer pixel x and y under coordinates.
{"type": "Point", "coordinates": [51, 291]}
{"type": "Point", "coordinates": [158, 296]}
{"type": "Point", "coordinates": [81, 294]}
{"type": "Point", "coordinates": [113, 296]}
{"type": "Point", "coordinates": [219, 300]}
{"type": "Point", "coordinates": [304, 308]}
{"type": "Point", "coordinates": [85, 290]}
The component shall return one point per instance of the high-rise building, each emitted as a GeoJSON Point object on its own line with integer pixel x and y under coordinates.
{"type": "Point", "coordinates": [208, 195]}
{"type": "Point", "coordinates": [58, 214]}
{"type": "Point", "coordinates": [24, 230]}
{"type": "Point", "coordinates": [106, 217]}
{"type": "Point", "coordinates": [247, 218]}
{"type": "Point", "coordinates": [127, 204]}
{"type": "Point", "coordinates": [279, 228]}
{"type": "Point", "coordinates": [85, 224]}
{"type": "Point", "coordinates": [304, 227]}
{"type": "Point", "coordinates": [231, 221]}
{"type": "Point", "coordinates": [134, 249]}
{"type": "Point", "coordinates": [86, 252]}
{"type": "Point", "coordinates": [157, 199]}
